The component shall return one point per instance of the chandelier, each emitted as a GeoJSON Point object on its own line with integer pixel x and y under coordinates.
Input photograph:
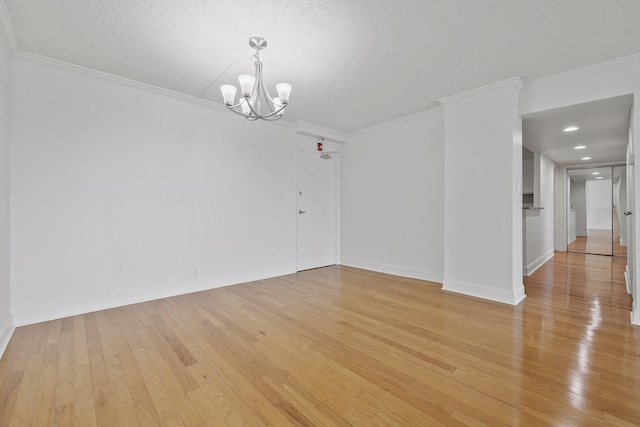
{"type": "Point", "coordinates": [255, 102]}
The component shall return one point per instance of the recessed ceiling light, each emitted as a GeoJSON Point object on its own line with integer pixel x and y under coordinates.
{"type": "Point", "coordinates": [595, 173]}
{"type": "Point", "coordinates": [599, 177]}
{"type": "Point", "coordinates": [579, 147]}
{"type": "Point", "coordinates": [571, 128]}
{"type": "Point", "coordinates": [586, 158]}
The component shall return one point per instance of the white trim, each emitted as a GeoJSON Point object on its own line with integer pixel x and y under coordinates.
{"type": "Point", "coordinates": [316, 131]}
{"type": "Point", "coordinates": [6, 29]}
{"type": "Point", "coordinates": [572, 239]}
{"type": "Point", "coordinates": [515, 83]}
{"type": "Point", "coordinates": [111, 78]}
{"type": "Point", "coordinates": [635, 317]}
{"type": "Point", "coordinates": [480, 291]}
{"type": "Point", "coordinates": [582, 234]}
{"type": "Point", "coordinates": [416, 116]}
{"type": "Point", "coordinates": [536, 264]}
{"type": "Point", "coordinates": [396, 270]}
{"type": "Point", "coordinates": [58, 312]}
{"type": "Point", "coordinates": [6, 332]}
{"type": "Point", "coordinates": [614, 63]}
{"type": "Point", "coordinates": [626, 279]}
{"type": "Point", "coordinates": [122, 81]}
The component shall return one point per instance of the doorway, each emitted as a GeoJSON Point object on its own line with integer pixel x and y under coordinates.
{"type": "Point", "coordinates": [316, 225]}
{"type": "Point", "coordinates": [595, 215]}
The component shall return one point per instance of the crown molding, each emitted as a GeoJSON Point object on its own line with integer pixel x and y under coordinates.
{"type": "Point", "coordinates": [6, 29]}
{"type": "Point", "coordinates": [411, 117]}
{"type": "Point", "coordinates": [514, 83]}
{"type": "Point", "coordinates": [633, 59]}
{"type": "Point", "coordinates": [317, 131]}
{"type": "Point", "coordinates": [33, 58]}
{"type": "Point", "coordinates": [111, 78]}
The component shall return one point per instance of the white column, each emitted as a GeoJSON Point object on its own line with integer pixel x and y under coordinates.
{"type": "Point", "coordinates": [483, 193]}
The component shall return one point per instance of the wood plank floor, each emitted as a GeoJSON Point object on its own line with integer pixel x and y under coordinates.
{"type": "Point", "coordinates": [339, 346]}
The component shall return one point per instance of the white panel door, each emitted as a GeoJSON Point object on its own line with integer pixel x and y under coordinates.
{"type": "Point", "coordinates": [316, 210]}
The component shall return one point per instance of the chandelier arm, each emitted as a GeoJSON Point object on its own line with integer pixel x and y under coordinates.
{"type": "Point", "coordinates": [258, 76]}
{"type": "Point", "coordinates": [254, 116]}
{"type": "Point", "coordinates": [236, 105]}
{"type": "Point", "coordinates": [270, 118]}
{"type": "Point", "coordinates": [237, 112]}
{"type": "Point", "coordinates": [267, 97]}
{"type": "Point", "coordinates": [274, 113]}
{"type": "Point", "coordinates": [255, 113]}
{"type": "Point", "coordinates": [270, 104]}
{"type": "Point", "coordinates": [255, 93]}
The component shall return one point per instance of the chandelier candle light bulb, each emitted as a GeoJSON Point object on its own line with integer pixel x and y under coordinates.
{"type": "Point", "coordinates": [255, 97]}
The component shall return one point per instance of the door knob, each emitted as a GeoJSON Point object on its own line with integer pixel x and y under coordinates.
{"type": "Point", "coordinates": [301, 212]}
{"type": "Point", "coordinates": [627, 213]}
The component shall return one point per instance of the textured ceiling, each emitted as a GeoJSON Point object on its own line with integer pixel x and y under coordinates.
{"type": "Point", "coordinates": [603, 129]}
{"type": "Point", "coordinates": [352, 63]}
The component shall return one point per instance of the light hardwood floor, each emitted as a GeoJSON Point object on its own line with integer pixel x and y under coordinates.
{"type": "Point", "coordinates": [339, 346]}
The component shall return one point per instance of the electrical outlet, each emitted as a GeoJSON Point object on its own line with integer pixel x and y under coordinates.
{"type": "Point", "coordinates": [196, 273]}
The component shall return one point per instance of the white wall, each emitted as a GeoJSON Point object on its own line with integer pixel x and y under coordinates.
{"type": "Point", "coordinates": [118, 194]}
{"type": "Point", "coordinates": [6, 322]}
{"type": "Point", "coordinates": [538, 225]}
{"type": "Point", "coordinates": [579, 202]}
{"type": "Point", "coordinates": [527, 176]}
{"type": "Point", "coordinates": [483, 193]}
{"type": "Point", "coordinates": [599, 204]}
{"type": "Point", "coordinates": [393, 198]}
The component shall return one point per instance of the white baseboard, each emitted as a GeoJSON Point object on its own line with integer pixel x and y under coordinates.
{"type": "Point", "coordinates": [572, 239]}
{"type": "Point", "coordinates": [536, 264]}
{"type": "Point", "coordinates": [623, 242]}
{"type": "Point", "coordinates": [627, 280]}
{"type": "Point", "coordinates": [582, 233]}
{"type": "Point", "coordinates": [29, 317]}
{"type": "Point", "coordinates": [6, 332]}
{"type": "Point", "coordinates": [480, 291]}
{"type": "Point", "coordinates": [635, 317]}
{"type": "Point", "coordinates": [393, 269]}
